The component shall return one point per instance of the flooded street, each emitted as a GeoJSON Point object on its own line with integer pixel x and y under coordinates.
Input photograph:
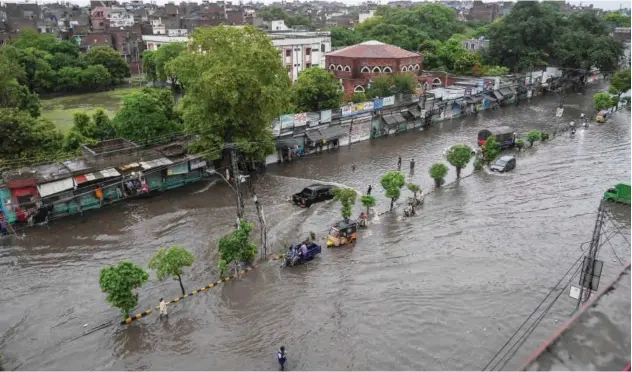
{"type": "Point", "coordinates": [440, 291]}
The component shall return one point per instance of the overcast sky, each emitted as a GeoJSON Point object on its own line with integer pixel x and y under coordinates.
{"type": "Point", "coordinates": [603, 4]}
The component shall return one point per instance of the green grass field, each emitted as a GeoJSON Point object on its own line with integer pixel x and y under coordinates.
{"type": "Point", "coordinates": [60, 110]}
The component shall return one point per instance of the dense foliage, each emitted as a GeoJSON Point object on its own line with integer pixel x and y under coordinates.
{"type": "Point", "coordinates": [392, 182]}
{"type": "Point", "coordinates": [119, 282]}
{"type": "Point", "coordinates": [459, 156]}
{"type": "Point", "coordinates": [316, 89]}
{"type": "Point", "coordinates": [438, 172]}
{"type": "Point", "coordinates": [347, 198]}
{"type": "Point", "coordinates": [235, 247]}
{"type": "Point", "coordinates": [171, 263]}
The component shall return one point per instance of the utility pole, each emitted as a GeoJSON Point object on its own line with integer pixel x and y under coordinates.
{"type": "Point", "coordinates": [590, 260]}
{"type": "Point", "coordinates": [236, 180]}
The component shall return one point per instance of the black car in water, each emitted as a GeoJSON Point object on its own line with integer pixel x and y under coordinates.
{"type": "Point", "coordinates": [313, 194]}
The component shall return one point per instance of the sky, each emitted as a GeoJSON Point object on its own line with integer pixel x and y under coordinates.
{"type": "Point", "coordinates": [603, 4]}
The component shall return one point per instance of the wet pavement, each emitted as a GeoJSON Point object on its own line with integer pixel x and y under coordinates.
{"type": "Point", "coordinates": [440, 291]}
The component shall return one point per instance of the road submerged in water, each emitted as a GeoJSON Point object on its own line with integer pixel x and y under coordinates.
{"type": "Point", "coordinates": [440, 291]}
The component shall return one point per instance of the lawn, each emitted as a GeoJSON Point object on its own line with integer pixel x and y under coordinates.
{"type": "Point", "coordinates": [60, 110]}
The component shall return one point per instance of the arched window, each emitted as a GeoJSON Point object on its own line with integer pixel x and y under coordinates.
{"type": "Point", "coordinates": [339, 68]}
{"type": "Point", "coordinates": [426, 86]}
{"type": "Point", "coordinates": [358, 89]}
{"type": "Point", "coordinates": [416, 67]}
{"type": "Point", "coordinates": [347, 69]}
{"type": "Point", "coordinates": [365, 70]}
{"type": "Point", "coordinates": [387, 69]}
{"type": "Point", "coordinates": [436, 82]}
{"type": "Point", "coordinates": [332, 67]}
{"type": "Point", "coordinates": [411, 68]}
{"type": "Point", "coordinates": [376, 69]}
{"type": "Point", "coordinates": [404, 69]}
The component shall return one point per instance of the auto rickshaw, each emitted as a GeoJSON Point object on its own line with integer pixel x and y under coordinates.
{"type": "Point", "coordinates": [602, 116]}
{"type": "Point", "coordinates": [342, 233]}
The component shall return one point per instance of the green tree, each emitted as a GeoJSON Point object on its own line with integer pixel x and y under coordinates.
{"type": "Point", "coordinates": [414, 188]}
{"type": "Point", "coordinates": [238, 88]}
{"type": "Point", "coordinates": [602, 101]}
{"type": "Point", "coordinates": [405, 83]}
{"type": "Point", "coordinates": [162, 57]}
{"type": "Point", "coordinates": [171, 263]}
{"type": "Point", "coordinates": [359, 97]}
{"type": "Point", "coordinates": [347, 198]}
{"type": "Point", "coordinates": [620, 83]}
{"type": "Point", "coordinates": [12, 93]}
{"type": "Point", "coordinates": [104, 128]}
{"type": "Point", "coordinates": [23, 136]}
{"type": "Point", "coordinates": [544, 136]}
{"type": "Point", "coordinates": [497, 71]}
{"type": "Point", "coordinates": [342, 36]}
{"type": "Point", "coordinates": [145, 115]}
{"type": "Point", "coordinates": [618, 19]}
{"type": "Point", "coordinates": [119, 282]}
{"type": "Point", "coordinates": [532, 136]}
{"type": "Point", "coordinates": [316, 89]}
{"type": "Point", "coordinates": [68, 79]}
{"type": "Point", "coordinates": [96, 77]}
{"type": "Point", "coordinates": [273, 13]}
{"type": "Point", "coordinates": [437, 173]}
{"type": "Point", "coordinates": [30, 38]}
{"type": "Point", "coordinates": [110, 59]}
{"type": "Point", "coordinates": [491, 149]}
{"type": "Point", "coordinates": [368, 201]}
{"type": "Point", "coordinates": [380, 87]}
{"type": "Point", "coordinates": [235, 247]}
{"type": "Point", "coordinates": [392, 182]}
{"type": "Point", "coordinates": [459, 156]}
{"type": "Point", "coordinates": [149, 65]}
{"type": "Point", "coordinates": [519, 144]}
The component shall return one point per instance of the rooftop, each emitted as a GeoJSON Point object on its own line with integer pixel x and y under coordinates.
{"type": "Point", "coordinates": [373, 49]}
{"type": "Point", "coordinates": [597, 338]}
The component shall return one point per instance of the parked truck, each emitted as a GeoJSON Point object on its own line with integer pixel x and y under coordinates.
{"type": "Point", "coordinates": [619, 193]}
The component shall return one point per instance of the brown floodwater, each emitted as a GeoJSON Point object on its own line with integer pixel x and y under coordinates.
{"type": "Point", "coordinates": [440, 291]}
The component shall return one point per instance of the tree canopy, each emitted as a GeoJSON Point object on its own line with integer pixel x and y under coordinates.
{"type": "Point", "coordinates": [459, 156]}
{"type": "Point", "coordinates": [24, 137]}
{"type": "Point", "coordinates": [110, 59]}
{"type": "Point", "coordinates": [119, 282]}
{"type": "Point", "coordinates": [603, 101]}
{"type": "Point", "coordinates": [316, 89]}
{"type": "Point", "coordinates": [347, 198]}
{"type": "Point", "coordinates": [392, 182]}
{"type": "Point", "coordinates": [438, 172]}
{"type": "Point", "coordinates": [171, 263]}
{"type": "Point", "coordinates": [368, 201]}
{"type": "Point", "coordinates": [235, 246]}
{"type": "Point", "coordinates": [161, 59]}
{"type": "Point", "coordinates": [620, 82]}
{"type": "Point", "coordinates": [233, 90]}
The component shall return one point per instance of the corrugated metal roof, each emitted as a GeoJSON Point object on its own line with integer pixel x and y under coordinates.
{"type": "Point", "coordinates": [106, 173]}
{"type": "Point", "coordinates": [399, 118]}
{"type": "Point", "coordinates": [155, 163]}
{"type": "Point", "coordinates": [373, 49]}
{"type": "Point", "coordinates": [389, 120]}
{"type": "Point", "coordinates": [51, 188]}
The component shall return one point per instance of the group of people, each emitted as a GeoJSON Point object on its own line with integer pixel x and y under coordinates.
{"type": "Point", "coordinates": [399, 164]}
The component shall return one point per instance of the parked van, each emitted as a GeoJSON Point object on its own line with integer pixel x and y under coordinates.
{"type": "Point", "coordinates": [619, 193]}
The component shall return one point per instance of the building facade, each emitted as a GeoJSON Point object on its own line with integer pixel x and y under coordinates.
{"type": "Point", "coordinates": [475, 44]}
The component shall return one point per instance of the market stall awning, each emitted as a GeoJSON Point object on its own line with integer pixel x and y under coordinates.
{"type": "Point", "coordinates": [415, 113]}
{"type": "Point", "coordinates": [287, 142]}
{"type": "Point", "coordinates": [507, 92]}
{"type": "Point", "coordinates": [473, 99]}
{"type": "Point", "coordinates": [314, 135]}
{"type": "Point", "coordinates": [334, 132]}
{"type": "Point", "coordinates": [489, 97]}
{"type": "Point", "coordinates": [498, 95]}
{"type": "Point", "coordinates": [106, 173]}
{"type": "Point", "coordinates": [399, 118]}
{"type": "Point", "coordinates": [389, 120]}
{"type": "Point", "coordinates": [155, 163]}
{"type": "Point", "coordinates": [54, 187]}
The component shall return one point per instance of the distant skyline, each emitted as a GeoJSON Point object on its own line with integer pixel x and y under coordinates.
{"type": "Point", "coordinates": [603, 4]}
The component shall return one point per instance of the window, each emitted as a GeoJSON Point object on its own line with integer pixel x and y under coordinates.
{"type": "Point", "coordinates": [416, 67]}
{"type": "Point", "coordinates": [359, 89]}
{"type": "Point", "coordinates": [436, 82]}
{"type": "Point", "coordinates": [404, 69]}
{"type": "Point", "coordinates": [332, 67]}
{"type": "Point", "coordinates": [339, 68]}
{"type": "Point", "coordinates": [387, 69]}
{"type": "Point", "coordinates": [308, 65]}
{"type": "Point", "coordinates": [472, 46]}
{"type": "Point", "coordinates": [365, 70]}
{"type": "Point", "coordinates": [322, 48]}
{"type": "Point", "coordinates": [308, 52]}
{"type": "Point", "coordinates": [288, 53]}
{"type": "Point", "coordinates": [426, 86]}
{"type": "Point", "coordinates": [347, 69]}
{"type": "Point", "coordinates": [411, 68]}
{"type": "Point", "coordinates": [376, 69]}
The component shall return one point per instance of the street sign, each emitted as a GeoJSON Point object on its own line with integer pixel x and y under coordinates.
{"type": "Point", "coordinates": [575, 291]}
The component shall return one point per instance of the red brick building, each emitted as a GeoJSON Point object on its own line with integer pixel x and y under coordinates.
{"type": "Point", "coordinates": [358, 64]}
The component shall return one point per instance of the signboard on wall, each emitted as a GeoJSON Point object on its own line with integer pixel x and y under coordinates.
{"type": "Point", "coordinates": [300, 119]}
{"type": "Point", "coordinates": [181, 168]}
{"type": "Point", "coordinates": [378, 103]}
{"type": "Point", "coordinates": [325, 116]}
{"type": "Point", "coordinates": [388, 101]}
{"type": "Point", "coordinates": [287, 121]}
{"type": "Point", "coordinates": [354, 109]}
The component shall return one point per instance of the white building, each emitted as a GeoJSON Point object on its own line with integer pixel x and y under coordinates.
{"type": "Point", "coordinates": [299, 50]}
{"type": "Point", "coordinates": [364, 16]}
{"type": "Point", "coordinates": [157, 27]}
{"type": "Point", "coordinates": [119, 17]}
{"type": "Point", "coordinates": [177, 32]}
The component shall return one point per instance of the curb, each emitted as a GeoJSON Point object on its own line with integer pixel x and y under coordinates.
{"type": "Point", "coordinates": [138, 316]}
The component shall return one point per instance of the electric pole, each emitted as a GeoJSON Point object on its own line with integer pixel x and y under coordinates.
{"type": "Point", "coordinates": [590, 260]}
{"type": "Point", "coordinates": [236, 180]}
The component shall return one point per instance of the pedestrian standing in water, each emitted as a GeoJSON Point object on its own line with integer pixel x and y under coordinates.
{"type": "Point", "coordinates": [282, 357]}
{"type": "Point", "coordinates": [399, 163]}
{"type": "Point", "coordinates": [353, 167]}
{"type": "Point", "coordinates": [412, 166]}
{"type": "Point", "coordinates": [163, 307]}
{"type": "Point", "coordinates": [368, 192]}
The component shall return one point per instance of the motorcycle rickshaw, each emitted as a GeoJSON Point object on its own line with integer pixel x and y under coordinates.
{"type": "Point", "coordinates": [342, 233]}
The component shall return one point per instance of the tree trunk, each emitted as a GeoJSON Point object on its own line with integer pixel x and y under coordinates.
{"type": "Point", "coordinates": [437, 182]}
{"type": "Point", "coordinates": [367, 211]}
{"type": "Point", "coordinates": [458, 172]}
{"type": "Point", "coordinates": [392, 202]}
{"type": "Point", "coordinates": [262, 222]}
{"type": "Point", "coordinates": [181, 286]}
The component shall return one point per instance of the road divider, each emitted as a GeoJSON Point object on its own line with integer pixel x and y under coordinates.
{"type": "Point", "coordinates": [138, 316]}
